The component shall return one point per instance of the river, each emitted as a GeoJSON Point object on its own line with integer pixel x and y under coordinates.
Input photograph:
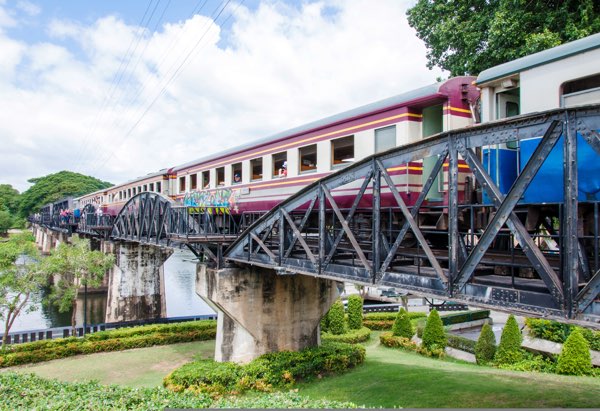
{"type": "Point", "coordinates": [181, 299]}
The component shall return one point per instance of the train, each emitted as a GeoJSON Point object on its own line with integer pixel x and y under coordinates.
{"type": "Point", "coordinates": [255, 177]}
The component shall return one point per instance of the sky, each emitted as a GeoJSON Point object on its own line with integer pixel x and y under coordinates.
{"type": "Point", "coordinates": [119, 89]}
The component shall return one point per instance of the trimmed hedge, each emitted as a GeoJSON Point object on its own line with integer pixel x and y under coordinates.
{"type": "Point", "coordinates": [461, 343]}
{"type": "Point", "coordinates": [402, 326]}
{"type": "Point", "coordinates": [509, 350]}
{"type": "Point", "coordinates": [485, 348]}
{"type": "Point", "coordinates": [559, 332]}
{"type": "Point", "coordinates": [279, 369]}
{"type": "Point", "coordinates": [336, 318]}
{"type": "Point", "coordinates": [434, 336]}
{"type": "Point", "coordinates": [392, 341]}
{"type": "Point", "coordinates": [575, 358]}
{"type": "Point", "coordinates": [464, 317]}
{"type": "Point", "coordinates": [29, 392]}
{"type": "Point", "coordinates": [350, 337]}
{"type": "Point", "coordinates": [355, 312]}
{"type": "Point", "coordinates": [115, 340]}
{"type": "Point", "coordinates": [385, 321]}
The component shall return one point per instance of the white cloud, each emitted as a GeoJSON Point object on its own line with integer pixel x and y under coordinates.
{"type": "Point", "coordinates": [29, 8]}
{"type": "Point", "coordinates": [281, 66]}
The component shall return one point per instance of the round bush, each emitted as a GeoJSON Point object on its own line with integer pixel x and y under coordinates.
{"type": "Point", "coordinates": [509, 350]}
{"type": "Point", "coordinates": [434, 336]}
{"type": "Point", "coordinates": [355, 312]}
{"type": "Point", "coordinates": [575, 358]}
{"type": "Point", "coordinates": [336, 318]}
{"type": "Point", "coordinates": [402, 326]}
{"type": "Point", "coordinates": [485, 349]}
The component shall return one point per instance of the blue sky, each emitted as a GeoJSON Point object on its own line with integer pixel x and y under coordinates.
{"type": "Point", "coordinates": [88, 87]}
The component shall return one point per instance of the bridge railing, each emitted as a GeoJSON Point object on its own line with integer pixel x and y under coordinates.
{"type": "Point", "coordinates": [202, 223]}
{"type": "Point", "coordinates": [362, 225]}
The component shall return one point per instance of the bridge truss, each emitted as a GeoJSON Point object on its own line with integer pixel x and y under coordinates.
{"type": "Point", "coordinates": [536, 259]}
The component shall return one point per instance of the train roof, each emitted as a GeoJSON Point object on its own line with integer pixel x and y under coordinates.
{"type": "Point", "coordinates": [539, 59]}
{"type": "Point", "coordinates": [412, 96]}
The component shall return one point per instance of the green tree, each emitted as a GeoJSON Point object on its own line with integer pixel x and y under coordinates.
{"type": "Point", "coordinates": [402, 326]}
{"type": "Point", "coordinates": [6, 221]}
{"type": "Point", "coordinates": [20, 277]}
{"type": "Point", "coordinates": [434, 336]}
{"type": "Point", "coordinates": [509, 349]}
{"type": "Point", "coordinates": [56, 186]}
{"type": "Point", "coordinates": [335, 317]}
{"type": "Point", "coordinates": [469, 36]}
{"type": "Point", "coordinates": [355, 312]}
{"type": "Point", "coordinates": [76, 266]}
{"type": "Point", "coordinates": [9, 198]}
{"type": "Point", "coordinates": [485, 349]}
{"type": "Point", "coordinates": [575, 358]}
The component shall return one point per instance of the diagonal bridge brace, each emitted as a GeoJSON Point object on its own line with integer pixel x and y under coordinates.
{"type": "Point", "coordinates": [589, 293]}
{"type": "Point", "coordinates": [415, 211]}
{"type": "Point", "coordinates": [505, 214]}
{"type": "Point", "coordinates": [348, 218]}
{"type": "Point", "coordinates": [413, 224]}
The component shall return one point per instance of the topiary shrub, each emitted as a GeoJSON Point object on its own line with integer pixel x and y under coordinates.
{"type": "Point", "coordinates": [575, 358]}
{"type": "Point", "coordinates": [325, 323]}
{"type": "Point", "coordinates": [350, 337]}
{"type": "Point", "coordinates": [355, 312]}
{"type": "Point", "coordinates": [434, 336]}
{"type": "Point", "coordinates": [509, 351]}
{"type": "Point", "coordinates": [402, 326]}
{"type": "Point", "coordinates": [485, 349]}
{"type": "Point", "coordinates": [336, 318]}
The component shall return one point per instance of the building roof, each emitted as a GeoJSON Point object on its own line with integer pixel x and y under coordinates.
{"type": "Point", "coordinates": [541, 58]}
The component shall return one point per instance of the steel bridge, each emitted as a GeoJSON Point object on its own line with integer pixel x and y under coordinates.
{"type": "Point", "coordinates": [531, 259]}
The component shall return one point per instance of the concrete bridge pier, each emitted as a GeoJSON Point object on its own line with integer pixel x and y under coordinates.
{"type": "Point", "coordinates": [48, 241]}
{"type": "Point", "coordinates": [260, 311]}
{"type": "Point", "coordinates": [136, 282]}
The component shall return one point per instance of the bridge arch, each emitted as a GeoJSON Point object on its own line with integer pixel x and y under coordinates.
{"type": "Point", "coordinates": [144, 219]}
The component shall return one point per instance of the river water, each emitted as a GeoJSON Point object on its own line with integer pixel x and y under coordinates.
{"type": "Point", "coordinates": [181, 299]}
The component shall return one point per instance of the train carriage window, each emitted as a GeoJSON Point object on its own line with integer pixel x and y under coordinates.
{"type": "Point", "coordinates": [220, 176]}
{"type": "Point", "coordinates": [158, 187]}
{"type": "Point", "coordinates": [280, 164]}
{"type": "Point", "coordinates": [193, 181]}
{"type": "Point", "coordinates": [256, 168]}
{"type": "Point", "coordinates": [236, 173]}
{"type": "Point", "coordinates": [385, 138]}
{"type": "Point", "coordinates": [581, 91]}
{"type": "Point", "coordinates": [151, 186]}
{"type": "Point", "coordinates": [342, 151]}
{"type": "Point", "coordinates": [308, 158]}
{"type": "Point", "coordinates": [145, 188]}
{"type": "Point", "coordinates": [206, 179]}
{"type": "Point", "coordinates": [129, 193]}
{"type": "Point", "coordinates": [182, 184]}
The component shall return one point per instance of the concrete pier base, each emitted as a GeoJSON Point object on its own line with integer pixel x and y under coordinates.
{"type": "Point", "coordinates": [136, 283]}
{"type": "Point", "coordinates": [260, 311]}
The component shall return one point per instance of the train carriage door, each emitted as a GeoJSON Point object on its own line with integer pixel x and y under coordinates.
{"type": "Point", "coordinates": [433, 123]}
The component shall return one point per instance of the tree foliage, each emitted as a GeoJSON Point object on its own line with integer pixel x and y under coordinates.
{"type": "Point", "coordinates": [355, 312]}
{"type": "Point", "coordinates": [485, 349]}
{"type": "Point", "coordinates": [9, 198]}
{"type": "Point", "coordinates": [434, 336]}
{"type": "Point", "coordinates": [76, 266]}
{"type": "Point", "coordinates": [20, 277]}
{"type": "Point", "coordinates": [467, 37]}
{"type": "Point", "coordinates": [402, 326]}
{"type": "Point", "coordinates": [53, 187]}
{"type": "Point", "coordinates": [575, 358]}
{"type": "Point", "coordinates": [509, 349]}
{"type": "Point", "coordinates": [6, 221]}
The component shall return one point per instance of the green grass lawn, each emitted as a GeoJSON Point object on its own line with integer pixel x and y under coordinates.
{"type": "Point", "coordinates": [139, 367]}
{"type": "Point", "coordinates": [390, 377]}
